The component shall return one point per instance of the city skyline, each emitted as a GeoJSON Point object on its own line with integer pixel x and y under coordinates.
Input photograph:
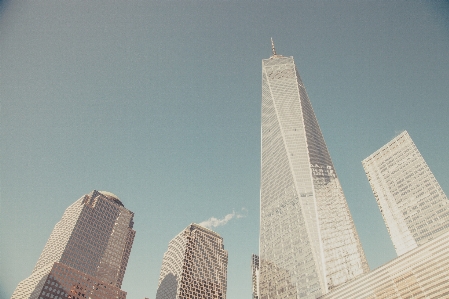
{"type": "Point", "coordinates": [308, 242]}
{"type": "Point", "coordinates": [160, 103]}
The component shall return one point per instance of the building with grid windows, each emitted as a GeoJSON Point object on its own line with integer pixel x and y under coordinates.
{"type": "Point", "coordinates": [308, 242]}
{"type": "Point", "coordinates": [419, 273]}
{"type": "Point", "coordinates": [194, 266]}
{"type": "Point", "coordinates": [255, 275]}
{"type": "Point", "coordinates": [413, 205]}
{"type": "Point", "coordinates": [86, 254]}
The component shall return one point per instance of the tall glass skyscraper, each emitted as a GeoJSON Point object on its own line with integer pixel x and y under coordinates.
{"type": "Point", "coordinates": [308, 242]}
{"type": "Point", "coordinates": [413, 205]}
{"type": "Point", "coordinates": [194, 266]}
{"type": "Point", "coordinates": [87, 252]}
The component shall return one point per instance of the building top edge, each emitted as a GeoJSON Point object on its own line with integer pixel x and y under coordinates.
{"type": "Point", "coordinates": [274, 57]}
{"type": "Point", "coordinates": [205, 229]}
{"type": "Point", "coordinates": [402, 134]}
{"type": "Point", "coordinates": [111, 196]}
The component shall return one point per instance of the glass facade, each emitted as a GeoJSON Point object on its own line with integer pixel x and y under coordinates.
{"type": "Point", "coordinates": [413, 205]}
{"type": "Point", "coordinates": [87, 252]}
{"type": "Point", "coordinates": [308, 242]}
{"type": "Point", "coordinates": [194, 266]}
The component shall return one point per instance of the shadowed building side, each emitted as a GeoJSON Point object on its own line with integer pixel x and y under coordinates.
{"type": "Point", "coordinates": [168, 287]}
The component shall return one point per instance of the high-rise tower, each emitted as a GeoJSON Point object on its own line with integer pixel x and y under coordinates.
{"type": "Point", "coordinates": [86, 254]}
{"type": "Point", "coordinates": [308, 242]}
{"type": "Point", "coordinates": [194, 266]}
{"type": "Point", "coordinates": [255, 275]}
{"type": "Point", "coordinates": [413, 205]}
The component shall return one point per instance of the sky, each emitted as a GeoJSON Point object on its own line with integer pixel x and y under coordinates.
{"type": "Point", "coordinates": [159, 103]}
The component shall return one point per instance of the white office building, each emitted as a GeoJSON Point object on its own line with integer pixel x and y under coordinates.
{"type": "Point", "coordinates": [413, 205]}
{"type": "Point", "coordinates": [308, 242]}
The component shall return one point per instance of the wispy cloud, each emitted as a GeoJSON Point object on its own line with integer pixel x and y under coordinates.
{"type": "Point", "coordinates": [214, 222]}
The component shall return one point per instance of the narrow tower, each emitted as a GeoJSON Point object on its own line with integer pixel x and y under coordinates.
{"type": "Point", "coordinates": [194, 266]}
{"type": "Point", "coordinates": [413, 205]}
{"type": "Point", "coordinates": [308, 242]}
{"type": "Point", "coordinates": [86, 254]}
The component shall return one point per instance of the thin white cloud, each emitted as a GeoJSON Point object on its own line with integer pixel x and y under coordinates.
{"type": "Point", "coordinates": [214, 222]}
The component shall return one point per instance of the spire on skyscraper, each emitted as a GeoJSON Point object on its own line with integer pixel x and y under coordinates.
{"type": "Point", "coordinates": [308, 242]}
{"type": "Point", "coordinates": [272, 47]}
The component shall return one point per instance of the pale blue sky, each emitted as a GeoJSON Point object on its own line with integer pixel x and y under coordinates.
{"type": "Point", "coordinates": [159, 103]}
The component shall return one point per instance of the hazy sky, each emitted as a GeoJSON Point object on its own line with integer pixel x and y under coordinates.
{"type": "Point", "coordinates": [159, 103]}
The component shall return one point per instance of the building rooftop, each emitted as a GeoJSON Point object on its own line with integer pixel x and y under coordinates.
{"type": "Point", "coordinates": [204, 229]}
{"type": "Point", "coordinates": [112, 196]}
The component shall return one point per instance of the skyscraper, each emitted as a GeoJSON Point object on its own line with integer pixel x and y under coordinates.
{"type": "Point", "coordinates": [413, 205]}
{"type": "Point", "coordinates": [86, 254]}
{"type": "Point", "coordinates": [255, 275]}
{"type": "Point", "coordinates": [194, 266]}
{"type": "Point", "coordinates": [308, 242]}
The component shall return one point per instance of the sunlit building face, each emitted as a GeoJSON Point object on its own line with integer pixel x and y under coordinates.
{"type": "Point", "coordinates": [413, 205]}
{"type": "Point", "coordinates": [86, 254]}
{"type": "Point", "coordinates": [308, 242]}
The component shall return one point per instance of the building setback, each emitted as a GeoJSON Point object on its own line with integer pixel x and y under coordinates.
{"type": "Point", "coordinates": [413, 205]}
{"type": "Point", "coordinates": [87, 252]}
{"type": "Point", "coordinates": [308, 242]}
{"type": "Point", "coordinates": [194, 266]}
